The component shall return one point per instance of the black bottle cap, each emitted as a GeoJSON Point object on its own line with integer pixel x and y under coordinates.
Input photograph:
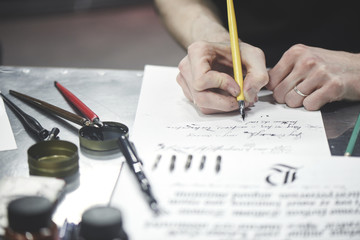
{"type": "Point", "coordinates": [102, 223]}
{"type": "Point", "coordinates": [29, 214]}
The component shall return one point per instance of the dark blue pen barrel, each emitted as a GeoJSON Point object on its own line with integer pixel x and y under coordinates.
{"type": "Point", "coordinates": [135, 165]}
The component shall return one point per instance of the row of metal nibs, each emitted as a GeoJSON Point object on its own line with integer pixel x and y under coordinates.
{"type": "Point", "coordinates": [188, 164]}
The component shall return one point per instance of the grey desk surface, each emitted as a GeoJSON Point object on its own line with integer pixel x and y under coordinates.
{"type": "Point", "coordinates": [113, 95]}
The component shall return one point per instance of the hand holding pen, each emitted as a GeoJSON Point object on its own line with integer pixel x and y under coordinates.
{"type": "Point", "coordinates": [235, 52]}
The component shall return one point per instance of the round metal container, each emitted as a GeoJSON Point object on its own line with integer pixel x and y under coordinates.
{"type": "Point", "coordinates": [55, 158]}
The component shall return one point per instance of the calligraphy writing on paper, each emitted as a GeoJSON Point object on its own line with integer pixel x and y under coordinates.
{"type": "Point", "coordinates": [281, 175]}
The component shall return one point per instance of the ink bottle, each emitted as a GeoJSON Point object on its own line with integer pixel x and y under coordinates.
{"type": "Point", "coordinates": [102, 222]}
{"type": "Point", "coordinates": [29, 218]}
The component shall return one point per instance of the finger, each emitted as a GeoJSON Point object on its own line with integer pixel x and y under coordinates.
{"type": "Point", "coordinates": [215, 102]}
{"type": "Point", "coordinates": [320, 89]}
{"type": "Point", "coordinates": [184, 68]}
{"type": "Point", "coordinates": [311, 83]}
{"type": "Point", "coordinates": [294, 99]}
{"type": "Point", "coordinates": [324, 94]}
{"type": "Point", "coordinates": [256, 74]}
{"type": "Point", "coordinates": [317, 99]}
{"type": "Point", "coordinates": [200, 54]}
{"type": "Point", "coordinates": [210, 110]}
{"type": "Point", "coordinates": [197, 78]}
{"type": "Point", "coordinates": [286, 86]}
{"type": "Point", "coordinates": [217, 80]}
{"type": "Point", "coordinates": [285, 65]}
{"type": "Point", "coordinates": [278, 73]}
{"type": "Point", "coordinates": [207, 80]}
{"type": "Point", "coordinates": [205, 60]}
{"type": "Point", "coordinates": [181, 81]}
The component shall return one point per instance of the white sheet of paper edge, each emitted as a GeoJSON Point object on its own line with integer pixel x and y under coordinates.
{"type": "Point", "coordinates": [7, 139]}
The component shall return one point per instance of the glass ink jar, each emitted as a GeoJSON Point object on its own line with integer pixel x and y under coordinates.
{"type": "Point", "coordinates": [102, 222]}
{"type": "Point", "coordinates": [29, 218]}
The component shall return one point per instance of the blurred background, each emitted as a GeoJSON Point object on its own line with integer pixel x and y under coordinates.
{"type": "Point", "coordinates": [112, 34]}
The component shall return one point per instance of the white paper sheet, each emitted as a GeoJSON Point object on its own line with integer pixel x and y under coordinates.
{"type": "Point", "coordinates": [272, 198]}
{"type": "Point", "coordinates": [7, 140]}
{"type": "Point", "coordinates": [167, 122]}
{"type": "Point", "coordinates": [269, 177]}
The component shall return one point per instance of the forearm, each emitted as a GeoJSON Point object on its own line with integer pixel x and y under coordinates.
{"type": "Point", "coordinates": [192, 20]}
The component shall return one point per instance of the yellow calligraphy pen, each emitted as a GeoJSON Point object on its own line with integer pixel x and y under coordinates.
{"type": "Point", "coordinates": [235, 52]}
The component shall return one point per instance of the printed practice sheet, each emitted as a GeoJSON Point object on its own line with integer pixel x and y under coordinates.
{"type": "Point", "coordinates": [273, 198]}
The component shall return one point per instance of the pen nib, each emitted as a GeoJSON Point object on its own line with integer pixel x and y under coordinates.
{"type": "Point", "coordinates": [242, 108]}
{"type": "Point", "coordinates": [155, 208]}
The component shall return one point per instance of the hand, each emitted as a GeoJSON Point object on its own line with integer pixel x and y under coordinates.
{"type": "Point", "coordinates": [206, 76]}
{"type": "Point", "coordinates": [322, 75]}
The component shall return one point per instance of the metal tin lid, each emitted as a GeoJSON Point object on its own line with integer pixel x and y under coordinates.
{"type": "Point", "coordinates": [102, 223]}
{"type": "Point", "coordinates": [29, 214]}
{"type": "Point", "coordinates": [55, 158]}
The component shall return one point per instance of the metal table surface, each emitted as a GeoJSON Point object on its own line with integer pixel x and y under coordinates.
{"type": "Point", "coordinates": [113, 95]}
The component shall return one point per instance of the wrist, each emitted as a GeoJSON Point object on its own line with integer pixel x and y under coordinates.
{"type": "Point", "coordinates": [208, 28]}
{"type": "Point", "coordinates": [214, 34]}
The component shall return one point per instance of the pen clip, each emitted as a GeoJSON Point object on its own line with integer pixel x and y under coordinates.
{"type": "Point", "coordinates": [128, 150]}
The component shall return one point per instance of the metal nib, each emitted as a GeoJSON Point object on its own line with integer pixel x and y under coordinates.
{"type": "Point", "coordinates": [98, 123]}
{"type": "Point", "coordinates": [155, 208]}
{"type": "Point", "coordinates": [242, 108]}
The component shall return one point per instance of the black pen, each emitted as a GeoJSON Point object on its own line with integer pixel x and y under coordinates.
{"type": "Point", "coordinates": [135, 165]}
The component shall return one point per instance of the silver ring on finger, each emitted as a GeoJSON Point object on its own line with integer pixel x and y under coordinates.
{"type": "Point", "coordinates": [299, 92]}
